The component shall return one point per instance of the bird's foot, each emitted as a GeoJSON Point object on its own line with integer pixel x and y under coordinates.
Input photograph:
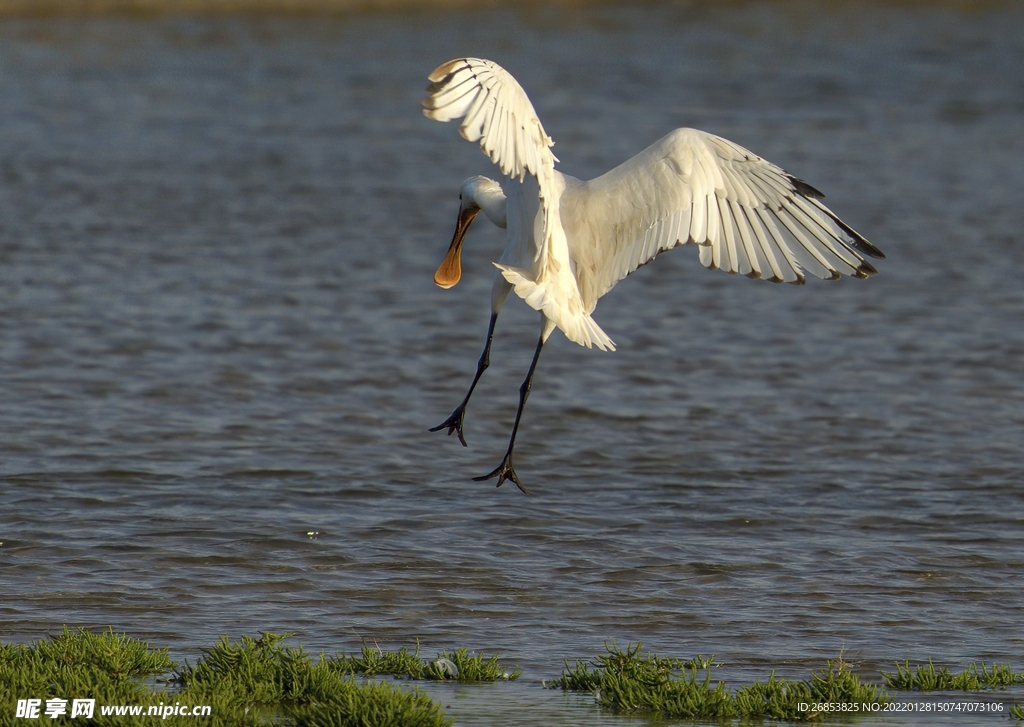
{"type": "Point", "coordinates": [454, 423]}
{"type": "Point", "coordinates": [504, 472]}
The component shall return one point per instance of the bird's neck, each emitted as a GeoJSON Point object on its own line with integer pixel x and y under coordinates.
{"type": "Point", "coordinates": [491, 200]}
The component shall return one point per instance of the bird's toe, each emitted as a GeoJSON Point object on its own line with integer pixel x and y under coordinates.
{"type": "Point", "coordinates": [503, 472]}
{"type": "Point", "coordinates": [453, 424]}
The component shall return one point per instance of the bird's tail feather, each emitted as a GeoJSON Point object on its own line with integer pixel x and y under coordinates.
{"type": "Point", "coordinates": [572, 320]}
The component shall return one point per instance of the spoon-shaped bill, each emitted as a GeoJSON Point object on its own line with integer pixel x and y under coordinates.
{"type": "Point", "coordinates": [450, 270]}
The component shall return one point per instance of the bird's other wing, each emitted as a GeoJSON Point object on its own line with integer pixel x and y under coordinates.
{"type": "Point", "coordinates": [747, 215]}
{"type": "Point", "coordinates": [495, 111]}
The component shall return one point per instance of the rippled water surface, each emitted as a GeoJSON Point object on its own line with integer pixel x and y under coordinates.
{"type": "Point", "coordinates": [221, 348]}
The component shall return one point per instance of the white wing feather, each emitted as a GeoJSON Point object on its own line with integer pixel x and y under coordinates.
{"type": "Point", "coordinates": [497, 113]}
{"type": "Point", "coordinates": [747, 215]}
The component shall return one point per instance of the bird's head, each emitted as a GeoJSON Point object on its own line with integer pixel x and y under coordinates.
{"type": "Point", "coordinates": [476, 193]}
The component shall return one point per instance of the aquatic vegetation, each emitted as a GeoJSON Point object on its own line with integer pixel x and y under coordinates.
{"type": "Point", "coordinates": [253, 682]}
{"type": "Point", "coordinates": [479, 668]}
{"type": "Point", "coordinates": [625, 682]}
{"type": "Point", "coordinates": [107, 666]}
{"type": "Point", "coordinates": [836, 686]}
{"type": "Point", "coordinates": [973, 678]}
{"type": "Point", "coordinates": [458, 666]}
{"type": "Point", "coordinates": [773, 699]}
{"type": "Point", "coordinates": [620, 669]}
{"type": "Point", "coordinates": [256, 678]}
{"type": "Point", "coordinates": [651, 685]}
{"type": "Point", "coordinates": [374, 661]}
{"type": "Point", "coordinates": [262, 682]}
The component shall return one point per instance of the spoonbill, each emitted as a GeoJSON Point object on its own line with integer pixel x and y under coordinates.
{"type": "Point", "coordinates": [569, 242]}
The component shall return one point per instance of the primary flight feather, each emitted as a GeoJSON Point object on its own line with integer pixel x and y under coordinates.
{"type": "Point", "coordinates": [569, 242]}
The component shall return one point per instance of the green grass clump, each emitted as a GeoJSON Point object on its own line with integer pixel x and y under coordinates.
{"type": "Point", "coordinates": [974, 678]}
{"type": "Point", "coordinates": [773, 699]}
{"type": "Point", "coordinates": [839, 684]}
{"type": "Point", "coordinates": [373, 704]}
{"type": "Point", "coordinates": [623, 663]}
{"type": "Point", "coordinates": [787, 700]}
{"type": "Point", "coordinates": [457, 666]}
{"type": "Point", "coordinates": [113, 655]}
{"type": "Point", "coordinates": [373, 661]}
{"type": "Point", "coordinates": [625, 682]}
{"type": "Point", "coordinates": [1017, 712]}
{"type": "Point", "coordinates": [78, 664]}
{"type": "Point", "coordinates": [255, 682]}
{"type": "Point", "coordinates": [650, 688]}
{"type": "Point", "coordinates": [469, 668]}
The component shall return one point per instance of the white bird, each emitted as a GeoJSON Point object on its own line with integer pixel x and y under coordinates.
{"type": "Point", "coordinates": [569, 242]}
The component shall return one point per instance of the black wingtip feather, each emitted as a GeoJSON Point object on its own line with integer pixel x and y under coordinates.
{"type": "Point", "coordinates": [858, 242]}
{"type": "Point", "coordinates": [868, 249]}
{"type": "Point", "coordinates": [867, 268]}
{"type": "Point", "coordinates": [805, 189]}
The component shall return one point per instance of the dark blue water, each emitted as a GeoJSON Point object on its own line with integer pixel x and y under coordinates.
{"type": "Point", "coordinates": [221, 348]}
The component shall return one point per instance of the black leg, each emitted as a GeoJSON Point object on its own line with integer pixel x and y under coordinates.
{"type": "Point", "coordinates": [454, 422]}
{"type": "Point", "coordinates": [504, 471]}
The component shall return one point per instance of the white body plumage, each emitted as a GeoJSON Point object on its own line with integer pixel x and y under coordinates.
{"type": "Point", "coordinates": [569, 242]}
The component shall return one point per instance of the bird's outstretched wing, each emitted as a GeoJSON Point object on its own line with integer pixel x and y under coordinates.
{"type": "Point", "coordinates": [495, 111]}
{"type": "Point", "coordinates": [747, 215]}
